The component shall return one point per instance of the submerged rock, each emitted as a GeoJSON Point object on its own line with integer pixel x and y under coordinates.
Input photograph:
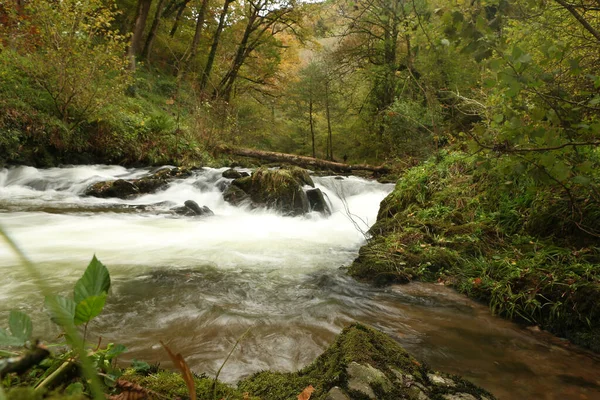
{"type": "Point", "coordinates": [125, 189]}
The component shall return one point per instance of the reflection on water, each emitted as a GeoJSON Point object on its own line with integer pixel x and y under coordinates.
{"type": "Point", "coordinates": [200, 283]}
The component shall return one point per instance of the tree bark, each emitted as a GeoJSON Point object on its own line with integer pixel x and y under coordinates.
{"type": "Point", "coordinates": [302, 161]}
{"type": "Point", "coordinates": [215, 45]}
{"type": "Point", "coordinates": [153, 30]}
{"type": "Point", "coordinates": [180, 11]}
{"type": "Point", "coordinates": [328, 114]}
{"type": "Point", "coordinates": [143, 9]}
{"type": "Point", "coordinates": [226, 84]}
{"type": "Point", "coordinates": [312, 125]}
{"type": "Point", "coordinates": [197, 33]}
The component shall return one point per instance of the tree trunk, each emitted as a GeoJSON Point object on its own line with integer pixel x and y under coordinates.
{"type": "Point", "coordinates": [215, 45]}
{"type": "Point", "coordinates": [312, 125]}
{"type": "Point", "coordinates": [153, 30]}
{"type": "Point", "coordinates": [302, 161]}
{"type": "Point", "coordinates": [226, 85]}
{"type": "Point", "coordinates": [328, 114]}
{"type": "Point", "coordinates": [143, 9]}
{"type": "Point", "coordinates": [197, 33]}
{"type": "Point", "coordinates": [180, 11]}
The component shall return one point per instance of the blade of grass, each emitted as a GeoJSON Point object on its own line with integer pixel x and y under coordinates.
{"type": "Point", "coordinates": [88, 369]}
{"type": "Point", "coordinates": [225, 362]}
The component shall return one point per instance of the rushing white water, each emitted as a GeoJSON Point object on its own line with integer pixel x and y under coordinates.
{"type": "Point", "coordinates": [255, 261]}
{"type": "Point", "coordinates": [199, 283]}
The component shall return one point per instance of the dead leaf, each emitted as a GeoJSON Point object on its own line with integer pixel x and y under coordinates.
{"type": "Point", "coordinates": [306, 393]}
{"type": "Point", "coordinates": [130, 391]}
{"type": "Point", "coordinates": [185, 371]}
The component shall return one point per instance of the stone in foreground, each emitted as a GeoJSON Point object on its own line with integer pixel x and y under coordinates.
{"type": "Point", "coordinates": [363, 363]}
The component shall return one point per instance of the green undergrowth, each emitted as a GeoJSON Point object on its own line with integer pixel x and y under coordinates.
{"type": "Point", "coordinates": [166, 384]}
{"type": "Point", "coordinates": [155, 122]}
{"type": "Point", "coordinates": [495, 236]}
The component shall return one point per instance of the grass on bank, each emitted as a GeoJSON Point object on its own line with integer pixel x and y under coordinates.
{"type": "Point", "coordinates": [157, 121]}
{"type": "Point", "coordinates": [496, 237]}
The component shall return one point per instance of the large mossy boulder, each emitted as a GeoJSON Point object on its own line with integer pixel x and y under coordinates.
{"type": "Point", "coordinates": [125, 189]}
{"type": "Point", "coordinates": [279, 189]}
{"type": "Point", "coordinates": [363, 363]}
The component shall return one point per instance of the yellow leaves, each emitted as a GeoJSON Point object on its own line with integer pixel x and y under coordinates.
{"type": "Point", "coordinates": [306, 393]}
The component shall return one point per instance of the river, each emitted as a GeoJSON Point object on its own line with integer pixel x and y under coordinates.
{"type": "Point", "coordinates": [199, 283]}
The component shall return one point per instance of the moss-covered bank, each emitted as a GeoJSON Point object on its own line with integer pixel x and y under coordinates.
{"type": "Point", "coordinates": [362, 363]}
{"type": "Point", "coordinates": [498, 238]}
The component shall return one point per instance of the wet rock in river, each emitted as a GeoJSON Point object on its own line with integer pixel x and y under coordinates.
{"type": "Point", "coordinates": [317, 201]}
{"type": "Point", "coordinates": [124, 189]}
{"type": "Point", "coordinates": [235, 195]}
{"type": "Point", "coordinates": [275, 189]}
{"type": "Point", "coordinates": [234, 174]}
{"type": "Point", "coordinates": [119, 188]}
{"type": "Point", "coordinates": [191, 209]}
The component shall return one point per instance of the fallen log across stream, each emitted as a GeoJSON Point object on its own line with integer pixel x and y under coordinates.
{"type": "Point", "coordinates": [303, 161]}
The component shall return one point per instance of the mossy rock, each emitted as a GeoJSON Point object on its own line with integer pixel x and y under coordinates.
{"type": "Point", "coordinates": [124, 189]}
{"type": "Point", "coordinates": [279, 189]}
{"type": "Point", "coordinates": [362, 363]}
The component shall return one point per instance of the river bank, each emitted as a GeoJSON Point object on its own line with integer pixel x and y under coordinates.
{"type": "Point", "coordinates": [493, 238]}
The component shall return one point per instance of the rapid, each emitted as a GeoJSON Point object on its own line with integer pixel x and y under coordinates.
{"type": "Point", "coordinates": [198, 283]}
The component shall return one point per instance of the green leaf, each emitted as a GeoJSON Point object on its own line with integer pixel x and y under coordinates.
{"type": "Point", "coordinates": [62, 309]}
{"type": "Point", "coordinates": [20, 325]}
{"type": "Point", "coordinates": [140, 366]}
{"type": "Point", "coordinates": [7, 340]}
{"type": "Point", "coordinates": [115, 351]}
{"type": "Point", "coordinates": [496, 64]}
{"type": "Point", "coordinates": [561, 171]}
{"type": "Point", "coordinates": [525, 58]}
{"type": "Point", "coordinates": [586, 167]}
{"type": "Point", "coordinates": [489, 83]}
{"type": "Point", "coordinates": [514, 89]}
{"type": "Point", "coordinates": [89, 308]}
{"type": "Point", "coordinates": [94, 282]}
{"type": "Point", "coordinates": [74, 389]}
{"type": "Point", "coordinates": [582, 180]}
